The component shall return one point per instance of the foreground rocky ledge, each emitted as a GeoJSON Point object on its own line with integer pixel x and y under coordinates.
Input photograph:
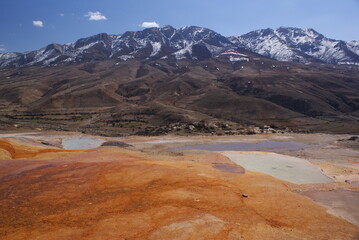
{"type": "Point", "coordinates": [117, 193]}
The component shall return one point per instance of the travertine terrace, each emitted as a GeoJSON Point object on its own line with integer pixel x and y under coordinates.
{"type": "Point", "coordinates": [145, 192]}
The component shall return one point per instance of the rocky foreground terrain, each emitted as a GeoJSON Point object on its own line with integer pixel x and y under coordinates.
{"type": "Point", "coordinates": [144, 191]}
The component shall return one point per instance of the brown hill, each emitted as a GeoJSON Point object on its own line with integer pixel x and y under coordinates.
{"type": "Point", "coordinates": [160, 96]}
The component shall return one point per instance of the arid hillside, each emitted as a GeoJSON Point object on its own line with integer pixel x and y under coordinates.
{"type": "Point", "coordinates": [152, 97]}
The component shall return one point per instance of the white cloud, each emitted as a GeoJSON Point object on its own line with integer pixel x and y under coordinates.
{"type": "Point", "coordinates": [62, 14]}
{"type": "Point", "coordinates": [149, 25]}
{"type": "Point", "coordinates": [95, 16]}
{"type": "Point", "coordinates": [38, 23]}
{"type": "Point", "coordinates": [2, 49]}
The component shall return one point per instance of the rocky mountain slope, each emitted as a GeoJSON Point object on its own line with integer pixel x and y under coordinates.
{"type": "Point", "coordinates": [188, 42]}
{"type": "Point", "coordinates": [196, 43]}
{"type": "Point", "coordinates": [299, 45]}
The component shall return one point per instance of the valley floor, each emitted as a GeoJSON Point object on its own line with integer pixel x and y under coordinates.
{"type": "Point", "coordinates": [142, 188]}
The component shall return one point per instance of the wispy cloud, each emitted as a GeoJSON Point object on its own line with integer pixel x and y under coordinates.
{"type": "Point", "coordinates": [38, 23]}
{"type": "Point", "coordinates": [149, 25]}
{"type": "Point", "coordinates": [2, 49]}
{"type": "Point", "coordinates": [95, 16]}
{"type": "Point", "coordinates": [62, 14]}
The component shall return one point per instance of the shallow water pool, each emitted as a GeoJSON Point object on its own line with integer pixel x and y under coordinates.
{"type": "Point", "coordinates": [81, 143]}
{"type": "Point", "coordinates": [291, 169]}
{"type": "Point", "coordinates": [244, 146]}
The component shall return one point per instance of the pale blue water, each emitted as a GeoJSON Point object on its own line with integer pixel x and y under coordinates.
{"type": "Point", "coordinates": [81, 143]}
{"type": "Point", "coordinates": [291, 169]}
{"type": "Point", "coordinates": [272, 146]}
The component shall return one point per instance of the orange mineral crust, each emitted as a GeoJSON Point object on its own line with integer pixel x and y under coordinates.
{"type": "Point", "coordinates": [114, 193]}
{"type": "Point", "coordinates": [10, 149]}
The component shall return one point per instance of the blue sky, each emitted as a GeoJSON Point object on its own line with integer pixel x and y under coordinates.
{"type": "Point", "coordinates": [32, 24]}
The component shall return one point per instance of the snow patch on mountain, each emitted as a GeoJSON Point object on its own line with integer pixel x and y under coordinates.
{"type": "Point", "coordinates": [353, 46]}
{"type": "Point", "coordinates": [88, 46]}
{"type": "Point", "coordinates": [125, 57]}
{"type": "Point", "coordinates": [238, 59]}
{"type": "Point", "coordinates": [215, 51]}
{"type": "Point", "coordinates": [156, 46]}
{"type": "Point", "coordinates": [182, 54]}
{"type": "Point", "coordinates": [233, 52]}
{"type": "Point", "coordinates": [51, 60]}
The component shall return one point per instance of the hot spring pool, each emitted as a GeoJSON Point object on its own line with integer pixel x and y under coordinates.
{"type": "Point", "coordinates": [81, 143]}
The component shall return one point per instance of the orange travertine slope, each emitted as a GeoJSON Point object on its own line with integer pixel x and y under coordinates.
{"type": "Point", "coordinates": [19, 150]}
{"type": "Point", "coordinates": [114, 193]}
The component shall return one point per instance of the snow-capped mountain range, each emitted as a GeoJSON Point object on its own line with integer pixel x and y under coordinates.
{"type": "Point", "coordinates": [299, 45]}
{"type": "Point", "coordinates": [197, 43]}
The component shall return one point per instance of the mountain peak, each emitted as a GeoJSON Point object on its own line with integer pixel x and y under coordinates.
{"type": "Point", "coordinates": [297, 44]}
{"type": "Point", "coordinates": [193, 42]}
{"type": "Point", "coordinates": [167, 27]}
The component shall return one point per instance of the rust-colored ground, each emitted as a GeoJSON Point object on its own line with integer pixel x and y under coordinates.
{"type": "Point", "coordinates": [16, 150]}
{"type": "Point", "coordinates": [113, 193]}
